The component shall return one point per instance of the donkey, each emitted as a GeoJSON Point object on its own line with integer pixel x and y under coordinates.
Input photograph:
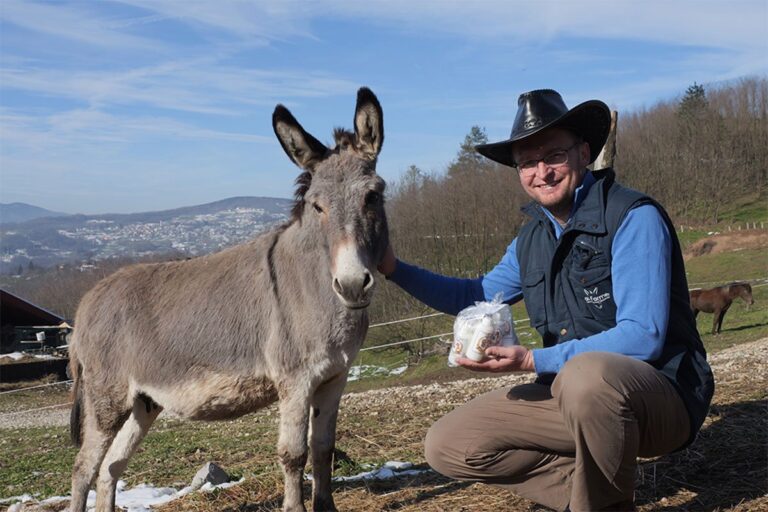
{"type": "Point", "coordinates": [718, 300]}
{"type": "Point", "coordinates": [280, 317]}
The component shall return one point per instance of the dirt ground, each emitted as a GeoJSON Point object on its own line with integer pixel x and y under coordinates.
{"type": "Point", "coordinates": [728, 241]}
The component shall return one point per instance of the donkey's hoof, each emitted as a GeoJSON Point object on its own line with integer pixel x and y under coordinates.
{"type": "Point", "coordinates": [326, 505]}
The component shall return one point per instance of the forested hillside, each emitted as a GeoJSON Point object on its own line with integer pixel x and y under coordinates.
{"type": "Point", "coordinates": [698, 155]}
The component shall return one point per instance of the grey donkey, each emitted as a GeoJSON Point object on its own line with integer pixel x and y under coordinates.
{"type": "Point", "coordinates": [280, 317]}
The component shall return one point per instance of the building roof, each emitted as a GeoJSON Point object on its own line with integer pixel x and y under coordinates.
{"type": "Point", "coordinates": [17, 311]}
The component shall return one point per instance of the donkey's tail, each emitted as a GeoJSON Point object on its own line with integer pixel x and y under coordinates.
{"type": "Point", "coordinates": [76, 414]}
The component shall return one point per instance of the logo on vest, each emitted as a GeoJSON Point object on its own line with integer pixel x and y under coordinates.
{"type": "Point", "coordinates": [593, 298]}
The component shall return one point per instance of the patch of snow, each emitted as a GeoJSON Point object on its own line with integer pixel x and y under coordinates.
{"type": "Point", "coordinates": [389, 470]}
{"type": "Point", "coordinates": [361, 371]}
{"type": "Point", "coordinates": [138, 499]}
{"type": "Point", "coordinates": [398, 370]}
{"type": "Point", "coordinates": [18, 355]}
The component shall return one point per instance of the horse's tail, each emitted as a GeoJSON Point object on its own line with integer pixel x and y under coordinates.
{"type": "Point", "coordinates": [76, 414]}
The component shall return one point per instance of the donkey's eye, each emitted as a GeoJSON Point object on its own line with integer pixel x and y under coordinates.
{"type": "Point", "coordinates": [317, 208]}
{"type": "Point", "coordinates": [372, 198]}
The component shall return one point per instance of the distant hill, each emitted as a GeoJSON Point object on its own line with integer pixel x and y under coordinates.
{"type": "Point", "coordinates": [191, 230]}
{"type": "Point", "coordinates": [22, 212]}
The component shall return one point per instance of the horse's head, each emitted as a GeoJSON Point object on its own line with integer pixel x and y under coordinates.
{"type": "Point", "coordinates": [746, 293]}
{"type": "Point", "coordinates": [341, 197]}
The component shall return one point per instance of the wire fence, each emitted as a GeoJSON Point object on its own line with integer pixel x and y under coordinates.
{"type": "Point", "coordinates": [757, 283]}
{"type": "Point", "coordinates": [60, 383]}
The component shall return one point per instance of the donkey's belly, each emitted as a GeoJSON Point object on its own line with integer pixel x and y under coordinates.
{"type": "Point", "coordinates": [213, 396]}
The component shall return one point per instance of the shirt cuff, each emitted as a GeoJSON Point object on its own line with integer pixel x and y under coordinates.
{"type": "Point", "coordinates": [546, 360]}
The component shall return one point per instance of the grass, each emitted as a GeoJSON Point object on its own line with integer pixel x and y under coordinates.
{"type": "Point", "coordinates": [751, 208]}
{"type": "Point", "coordinates": [722, 268]}
{"type": "Point", "coordinates": [38, 460]}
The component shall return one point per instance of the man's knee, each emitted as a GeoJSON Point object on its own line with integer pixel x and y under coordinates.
{"type": "Point", "coordinates": [437, 448]}
{"type": "Point", "coordinates": [586, 381]}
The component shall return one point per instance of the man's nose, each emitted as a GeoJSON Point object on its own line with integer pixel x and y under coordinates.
{"type": "Point", "coordinates": [543, 169]}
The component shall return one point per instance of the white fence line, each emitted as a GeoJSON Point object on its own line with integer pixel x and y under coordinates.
{"type": "Point", "coordinates": [405, 341]}
{"type": "Point", "coordinates": [36, 387]}
{"type": "Point", "coordinates": [405, 320]}
{"type": "Point", "coordinates": [760, 281]}
{"type": "Point", "coordinates": [14, 413]}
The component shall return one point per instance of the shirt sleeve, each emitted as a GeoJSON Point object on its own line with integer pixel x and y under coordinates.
{"type": "Point", "coordinates": [447, 294]}
{"type": "Point", "coordinates": [452, 294]}
{"type": "Point", "coordinates": [640, 270]}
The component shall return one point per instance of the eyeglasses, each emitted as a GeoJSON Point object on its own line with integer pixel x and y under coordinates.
{"type": "Point", "coordinates": [555, 159]}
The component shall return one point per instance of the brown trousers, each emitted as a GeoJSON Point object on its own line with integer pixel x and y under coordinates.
{"type": "Point", "coordinates": [572, 445]}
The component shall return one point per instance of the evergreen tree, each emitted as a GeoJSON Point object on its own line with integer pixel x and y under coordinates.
{"type": "Point", "coordinates": [468, 159]}
{"type": "Point", "coordinates": [694, 104]}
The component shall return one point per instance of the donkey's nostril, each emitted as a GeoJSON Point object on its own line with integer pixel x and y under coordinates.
{"type": "Point", "coordinates": [337, 286]}
{"type": "Point", "coordinates": [367, 281]}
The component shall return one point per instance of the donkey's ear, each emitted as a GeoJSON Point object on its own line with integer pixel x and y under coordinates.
{"type": "Point", "coordinates": [369, 123]}
{"type": "Point", "coordinates": [302, 148]}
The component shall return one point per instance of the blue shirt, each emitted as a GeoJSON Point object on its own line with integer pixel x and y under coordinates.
{"type": "Point", "coordinates": [641, 273]}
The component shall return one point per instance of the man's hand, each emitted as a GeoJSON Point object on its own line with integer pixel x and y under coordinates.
{"type": "Point", "coordinates": [502, 359]}
{"type": "Point", "coordinates": [388, 262]}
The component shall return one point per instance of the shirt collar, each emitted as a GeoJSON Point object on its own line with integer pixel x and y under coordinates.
{"type": "Point", "coordinates": [578, 197]}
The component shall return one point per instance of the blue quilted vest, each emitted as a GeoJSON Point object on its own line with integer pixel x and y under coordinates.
{"type": "Point", "coordinates": [568, 292]}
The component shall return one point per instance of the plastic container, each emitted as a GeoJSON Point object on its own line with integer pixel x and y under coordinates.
{"type": "Point", "coordinates": [480, 326]}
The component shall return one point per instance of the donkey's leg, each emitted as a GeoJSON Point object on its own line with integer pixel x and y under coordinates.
{"type": "Point", "coordinates": [95, 443]}
{"type": "Point", "coordinates": [128, 438]}
{"type": "Point", "coordinates": [325, 408]}
{"type": "Point", "coordinates": [292, 444]}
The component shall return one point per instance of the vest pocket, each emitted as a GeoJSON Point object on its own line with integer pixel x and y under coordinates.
{"type": "Point", "coordinates": [594, 291]}
{"type": "Point", "coordinates": [535, 295]}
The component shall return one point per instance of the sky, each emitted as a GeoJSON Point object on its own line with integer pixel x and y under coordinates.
{"type": "Point", "coordinates": [139, 105]}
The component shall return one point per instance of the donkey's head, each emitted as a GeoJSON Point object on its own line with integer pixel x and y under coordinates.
{"type": "Point", "coordinates": [340, 197]}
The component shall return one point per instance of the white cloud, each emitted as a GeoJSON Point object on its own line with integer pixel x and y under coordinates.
{"type": "Point", "coordinates": [69, 22]}
{"type": "Point", "coordinates": [198, 85]}
{"type": "Point", "coordinates": [719, 23]}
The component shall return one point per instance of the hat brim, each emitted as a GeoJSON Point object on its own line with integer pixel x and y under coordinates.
{"type": "Point", "coordinates": [591, 120]}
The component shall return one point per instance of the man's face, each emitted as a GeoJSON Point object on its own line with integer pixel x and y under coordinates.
{"type": "Point", "coordinates": [552, 186]}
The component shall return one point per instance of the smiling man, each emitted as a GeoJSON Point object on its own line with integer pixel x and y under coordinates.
{"type": "Point", "coordinates": [622, 372]}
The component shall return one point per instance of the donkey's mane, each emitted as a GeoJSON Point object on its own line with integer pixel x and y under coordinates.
{"type": "Point", "coordinates": [344, 139]}
{"type": "Point", "coordinates": [302, 185]}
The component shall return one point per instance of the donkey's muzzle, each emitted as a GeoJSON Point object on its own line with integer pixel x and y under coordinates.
{"type": "Point", "coordinates": [352, 281]}
{"type": "Point", "coordinates": [355, 291]}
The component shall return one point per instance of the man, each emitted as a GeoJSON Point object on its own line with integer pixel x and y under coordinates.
{"type": "Point", "coordinates": [623, 372]}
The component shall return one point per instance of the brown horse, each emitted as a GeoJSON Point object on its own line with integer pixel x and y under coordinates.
{"type": "Point", "coordinates": [718, 300]}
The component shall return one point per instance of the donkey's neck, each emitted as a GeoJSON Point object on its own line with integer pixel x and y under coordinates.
{"type": "Point", "coordinates": [301, 258]}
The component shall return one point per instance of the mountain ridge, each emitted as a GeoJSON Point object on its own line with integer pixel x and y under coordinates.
{"type": "Point", "coordinates": [13, 213]}
{"type": "Point", "coordinates": [189, 230]}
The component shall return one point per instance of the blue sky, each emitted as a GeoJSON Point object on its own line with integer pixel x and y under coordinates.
{"type": "Point", "coordinates": [143, 105]}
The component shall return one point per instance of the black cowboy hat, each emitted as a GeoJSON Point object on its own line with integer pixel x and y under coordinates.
{"type": "Point", "coordinates": [544, 108]}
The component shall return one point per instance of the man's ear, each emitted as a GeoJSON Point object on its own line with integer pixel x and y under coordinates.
{"type": "Point", "coordinates": [585, 153]}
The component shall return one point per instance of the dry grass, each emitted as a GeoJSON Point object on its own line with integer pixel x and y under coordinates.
{"type": "Point", "coordinates": [726, 469]}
